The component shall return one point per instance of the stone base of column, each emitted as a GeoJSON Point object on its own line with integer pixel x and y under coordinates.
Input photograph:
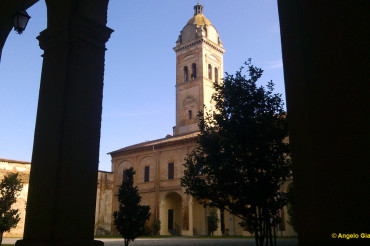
{"type": "Point", "coordinates": [59, 243]}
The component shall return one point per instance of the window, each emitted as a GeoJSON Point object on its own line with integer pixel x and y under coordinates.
{"type": "Point", "coordinates": [146, 175]}
{"type": "Point", "coordinates": [193, 71]}
{"type": "Point", "coordinates": [186, 74]}
{"type": "Point", "coordinates": [210, 71]}
{"type": "Point", "coordinates": [222, 215]}
{"type": "Point", "coordinates": [190, 114]}
{"type": "Point", "coordinates": [124, 175]}
{"type": "Point", "coordinates": [216, 74]}
{"type": "Point", "coordinates": [171, 171]}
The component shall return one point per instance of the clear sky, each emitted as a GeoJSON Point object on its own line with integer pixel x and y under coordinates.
{"type": "Point", "coordinates": [140, 67]}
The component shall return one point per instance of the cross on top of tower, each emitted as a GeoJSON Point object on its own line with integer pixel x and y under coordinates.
{"type": "Point", "coordinates": [198, 9]}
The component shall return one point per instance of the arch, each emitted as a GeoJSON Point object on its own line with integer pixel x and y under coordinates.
{"type": "Point", "coordinates": [209, 71]}
{"type": "Point", "coordinates": [214, 58]}
{"type": "Point", "coordinates": [216, 74]}
{"type": "Point", "coordinates": [193, 71]}
{"type": "Point", "coordinates": [190, 114]}
{"type": "Point", "coordinates": [186, 74]}
{"type": "Point", "coordinates": [190, 56]}
{"type": "Point", "coordinates": [124, 163]}
{"type": "Point", "coordinates": [171, 213]}
{"type": "Point", "coordinates": [120, 169]}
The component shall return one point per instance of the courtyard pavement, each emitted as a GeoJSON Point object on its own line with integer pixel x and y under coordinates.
{"type": "Point", "coordinates": [182, 241]}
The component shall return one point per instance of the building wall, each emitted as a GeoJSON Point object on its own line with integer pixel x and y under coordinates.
{"type": "Point", "coordinates": [103, 218]}
{"type": "Point", "coordinates": [189, 216]}
{"type": "Point", "coordinates": [23, 168]}
{"type": "Point", "coordinates": [162, 194]}
{"type": "Point", "coordinates": [155, 193]}
{"type": "Point", "coordinates": [104, 197]}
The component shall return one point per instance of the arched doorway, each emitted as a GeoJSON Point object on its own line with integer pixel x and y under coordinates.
{"type": "Point", "coordinates": [171, 214]}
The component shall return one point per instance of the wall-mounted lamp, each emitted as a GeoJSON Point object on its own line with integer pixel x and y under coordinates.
{"type": "Point", "coordinates": [20, 20]}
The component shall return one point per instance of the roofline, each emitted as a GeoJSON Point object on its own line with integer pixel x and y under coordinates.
{"type": "Point", "coordinates": [101, 171]}
{"type": "Point", "coordinates": [14, 161]}
{"type": "Point", "coordinates": [150, 146]}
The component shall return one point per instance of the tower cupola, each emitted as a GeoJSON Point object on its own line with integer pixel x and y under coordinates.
{"type": "Point", "coordinates": [198, 9]}
{"type": "Point", "coordinates": [198, 27]}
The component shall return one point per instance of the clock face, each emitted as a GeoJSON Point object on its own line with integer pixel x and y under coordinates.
{"type": "Point", "coordinates": [189, 102]}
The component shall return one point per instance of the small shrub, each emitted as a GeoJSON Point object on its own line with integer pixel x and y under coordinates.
{"type": "Point", "coordinates": [212, 222]}
{"type": "Point", "coordinates": [156, 227]}
{"type": "Point", "coordinates": [147, 231]}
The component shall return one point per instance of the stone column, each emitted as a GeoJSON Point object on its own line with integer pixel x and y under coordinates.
{"type": "Point", "coordinates": [218, 232]}
{"type": "Point", "coordinates": [191, 231]}
{"type": "Point", "coordinates": [325, 47]}
{"type": "Point", "coordinates": [63, 179]}
{"type": "Point", "coordinates": [187, 212]}
{"type": "Point", "coordinates": [203, 222]}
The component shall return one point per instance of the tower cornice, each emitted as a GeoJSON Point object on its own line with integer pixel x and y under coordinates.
{"type": "Point", "coordinates": [197, 41]}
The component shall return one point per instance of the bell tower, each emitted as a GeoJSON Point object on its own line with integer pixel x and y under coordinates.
{"type": "Point", "coordinates": [199, 63]}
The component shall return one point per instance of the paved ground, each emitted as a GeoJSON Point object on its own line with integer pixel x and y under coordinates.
{"type": "Point", "coordinates": [182, 242]}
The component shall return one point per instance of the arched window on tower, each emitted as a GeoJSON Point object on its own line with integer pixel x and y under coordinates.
{"type": "Point", "coordinates": [210, 71]}
{"type": "Point", "coordinates": [186, 74]}
{"type": "Point", "coordinates": [216, 74]}
{"type": "Point", "coordinates": [193, 71]}
{"type": "Point", "coordinates": [190, 114]}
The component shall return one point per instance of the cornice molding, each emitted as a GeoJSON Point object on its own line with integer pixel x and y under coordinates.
{"type": "Point", "coordinates": [160, 146]}
{"type": "Point", "coordinates": [79, 28]}
{"type": "Point", "coordinates": [202, 40]}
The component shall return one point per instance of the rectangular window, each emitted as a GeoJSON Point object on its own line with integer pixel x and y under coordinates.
{"type": "Point", "coordinates": [146, 176]}
{"type": "Point", "coordinates": [124, 175]}
{"type": "Point", "coordinates": [222, 215]}
{"type": "Point", "coordinates": [171, 171]}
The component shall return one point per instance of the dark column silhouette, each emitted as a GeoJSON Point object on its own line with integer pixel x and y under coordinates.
{"type": "Point", "coordinates": [325, 48]}
{"type": "Point", "coordinates": [63, 179]}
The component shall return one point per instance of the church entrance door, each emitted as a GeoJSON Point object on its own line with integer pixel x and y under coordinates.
{"type": "Point", "coordinates": [170, 219]}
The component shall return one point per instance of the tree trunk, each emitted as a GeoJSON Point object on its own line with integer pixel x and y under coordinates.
{"type": "Point", "coordinates": [275, 234]}
{"type": "Point", "coordinates": [270, 233]}
{"type": "Point", "coordinates": [1, 237]}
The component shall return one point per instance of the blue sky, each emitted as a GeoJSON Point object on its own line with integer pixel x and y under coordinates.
{"type": "Point", "coordinates": [139, 84]}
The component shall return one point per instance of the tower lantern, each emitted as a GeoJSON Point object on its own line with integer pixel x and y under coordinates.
{"type": "Point", "coordinates": [198, 9]}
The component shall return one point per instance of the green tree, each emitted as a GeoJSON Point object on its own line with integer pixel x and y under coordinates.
{"type": "Point", "coordinates": [156, 227]}
{"type": "Point", "coordinates": [212, 221]}
{"type": "Point", "coordinates": [241, 159]}
{"type": "Point", "coordinates": [10, 187]}
{"type": "Point", "coordinates": [131, 217]}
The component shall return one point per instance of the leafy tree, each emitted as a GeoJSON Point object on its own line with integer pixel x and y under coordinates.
{"type": "Point", "coordinates": [131, 217]}
{"type": "Point", "coordinates": [10, 187]}
{"type": "Point", "coordinates": [212, 221]}
{"type": "Point", "coordinates": [156, 227]}
{"type": "Point", "coordinates": [241, 160]}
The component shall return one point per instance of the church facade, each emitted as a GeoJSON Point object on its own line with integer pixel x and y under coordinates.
{"type": "Point", "coordinates": [159, 163]}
